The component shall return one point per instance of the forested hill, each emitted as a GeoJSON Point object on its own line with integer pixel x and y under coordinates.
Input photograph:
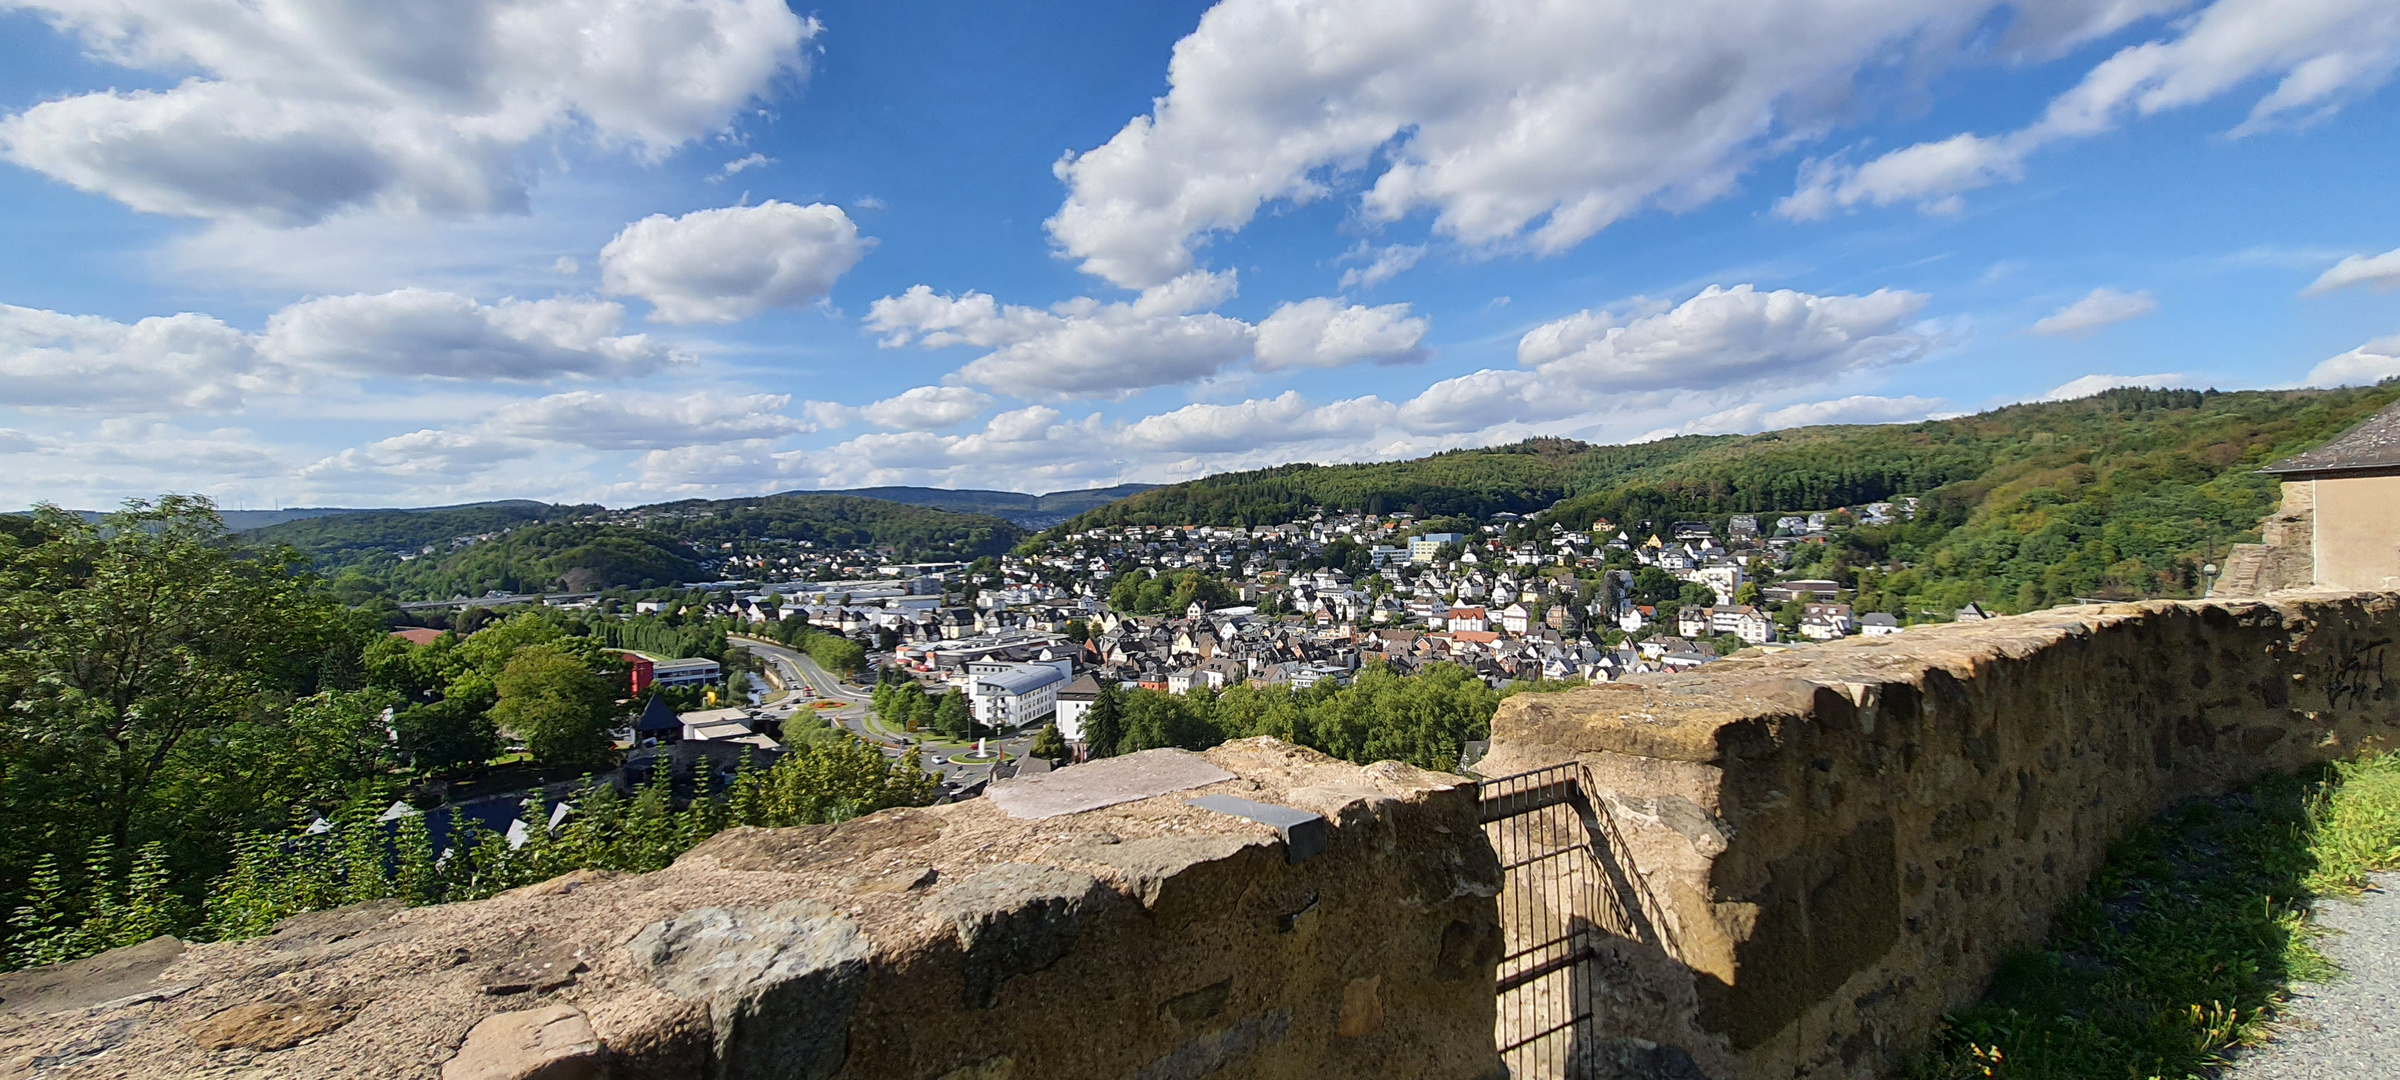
{"type": "Point", "coordinates": [2125, 493]}
{"type": "Point", "coordinates": [334, 538]}
{"type": "Point", "coordinates": [1029, 511]}
{"type": "Point", "coordinates": [833, 521]}
{"type": "Point", "coordinates": [1523, 478]}
{"type": "Point", "coordinates": [531, 546]}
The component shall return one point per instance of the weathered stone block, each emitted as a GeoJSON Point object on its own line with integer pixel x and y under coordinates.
{"type": "Point", "coordinates": [779, 983]}
{"type": "Point", "coordinates": [1014, 919]}
{"type": "Point", "coordinates": [550, 1043]}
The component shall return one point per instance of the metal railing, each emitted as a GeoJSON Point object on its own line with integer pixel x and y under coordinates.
{"type": "Point", "coordinates": [1551, 918]}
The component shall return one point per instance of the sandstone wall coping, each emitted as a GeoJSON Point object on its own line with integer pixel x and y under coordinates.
{"type": "Point", "coordinates": [1149, 938]}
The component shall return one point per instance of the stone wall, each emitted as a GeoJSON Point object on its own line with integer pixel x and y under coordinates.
{"type": "Point", "coordinates": [2284, 557]}
{"type": "Point", "coordinates": [1817, 852]}
{"type": "Point", "coordinates": [1096, 924]}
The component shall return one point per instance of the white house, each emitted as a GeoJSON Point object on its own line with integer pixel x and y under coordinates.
{"type": "Point", "coordinates": [1878, 624]}
{"type": "Point", "coordinates": [1693, 621]}
{"type": "Point", "coordinates": [1825, 622]}
{"type": "Point", "coordinates": [1742, 621]}
{"type": "Point", "coordinates": [1074, 701]}
{"type": "Point", "coordinates": [1726, 580]}
{"type": "Point", "coordinates": [1468, 618]}
{"type": "Point", "coordinates": [1515, 619]}
{"type": "Point", "coordinates": [723, 725]}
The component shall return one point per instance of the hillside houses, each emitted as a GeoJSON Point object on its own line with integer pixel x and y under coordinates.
{"type": "Point", "coordinates": [1317, 598]}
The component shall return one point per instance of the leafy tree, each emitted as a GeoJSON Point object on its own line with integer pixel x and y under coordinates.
{"type": "Point", "coordinates": [953, 717]}
{"type": "Point", "coordinates": [1050, 743]}
{"type": "Point", "coordinates": [830, 780]}
{"type": "Point", "coordinates": [135, 650]}
{"type": "Point", "coordinates": [1652, 585]}
{"type": "Point", "coordinates": [553, 702]}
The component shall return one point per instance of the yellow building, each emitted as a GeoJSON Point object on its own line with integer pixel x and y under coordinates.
{"type": "Point", "coordinates": [2339, 525]}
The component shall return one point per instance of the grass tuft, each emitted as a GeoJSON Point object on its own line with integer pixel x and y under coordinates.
{"type": "Point", "coordinates": [2184, 946]}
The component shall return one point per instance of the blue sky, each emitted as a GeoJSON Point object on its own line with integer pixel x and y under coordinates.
{"type": "Point", "coordinates": [325, 253]}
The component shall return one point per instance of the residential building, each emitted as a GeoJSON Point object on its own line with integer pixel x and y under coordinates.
{"type": "Point", "coordinates": [1005, 694]}
{"type": "Point", "coordinates": [1825, 622]}
{"type": "Point", "coordinates": [690, 672]}
{"type": "Point", "coordinates": [1800, 590]}
{"type": "Point", "coordinates": [1694, 621]}
{"type": "Point", "coordinates": [1725, 580]}
{"type": "Point", "coordinates": [1878, 624]}
{"type": "Point", "coordinates": [2338, 525]}
{"type": "Point", "coordinates": [724, 725]}
{"type": "Point", "coordinates": [1073, 702]}
{"type": "Point", "coordinates": [1742, 621]}
{"type": "Point", "coordinates": [1421, 549]}
{"type": "Point", "coordinates": [1467, 618]}
{"type": "Point", "coordinates": [1515, 619]}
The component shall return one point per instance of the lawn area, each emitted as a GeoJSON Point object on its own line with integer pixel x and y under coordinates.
{"type": "Point", "coordinates": [2184, 946]}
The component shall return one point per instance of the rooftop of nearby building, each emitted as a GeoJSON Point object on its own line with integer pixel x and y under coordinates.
{"type": "Point", "coordinates": [2374, 444]}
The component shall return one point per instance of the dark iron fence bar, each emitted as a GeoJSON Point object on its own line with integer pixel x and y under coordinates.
{"type": "Point", "coordinates": [1552, 909]}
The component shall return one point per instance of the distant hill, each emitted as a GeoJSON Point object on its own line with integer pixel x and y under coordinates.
{"type": "Point", "coordinates": [532, 546]}
{"type": "Point", "coordinates": [1030, 511]}
{"type": "Point", "coordinates": [338, 537]}
{"type": "Point", "coordinates": [829, 520]}
{"type": "Point", "coordinates": [2127, 493]}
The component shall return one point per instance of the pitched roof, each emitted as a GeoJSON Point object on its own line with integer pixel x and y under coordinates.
{"type": "Point", "coordinates": [2374, 444]}
{"type": "Point", "coordinates": [658, 716]}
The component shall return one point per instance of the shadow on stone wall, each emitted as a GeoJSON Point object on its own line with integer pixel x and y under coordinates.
{"type": "Point", "coordinates": [1818, 852]}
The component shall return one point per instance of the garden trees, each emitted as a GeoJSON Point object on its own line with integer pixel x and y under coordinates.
{"type": "Point", "coordinates": [952, 716]}
{"type": "Point", "coordinates": [1050, 744]}
{"type": "Point", "coordinates": [1652, 585]}
{"type": "Point", "coordinates": [551, 700]}
{"type": "Point", "coordinates": [135, 653]}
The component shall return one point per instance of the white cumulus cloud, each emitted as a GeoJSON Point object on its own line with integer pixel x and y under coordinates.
{"type": "Point", "coordinates": [1284, 419]}
{"type": "Point", "coordinates": [626, 421]}
{"type": "Point", "coordinates": [1723, 337]}
{"type": "Point", "coordinates": [2380, 272]}
{"type": "Point", "coordinates": [1721, 340]}
{"type": "Point", "coordinates": [2100, 307]}
{"type": "Point", "coordinates": [2319, 54]}
{"type": "Point", "coordinates": [289, 112]}
{"type": "Point", "coordinates": [721, 266]}
{"type": "Point", "coordinates": [1325, 333]}
{"type": "Point", "coordinates": [421, 333]}
{"type": "Point", "coordinates": [163, 363]}
{"type": "Point", "coordinates": [2365, 365]}
{"type": "Point", "coordinates": [926, 408]}
{"type": "Point", "coordinates": [1855, 409]}
{"type": "Point", "coordinates": [1083, 348]}
{"type": "Point", "coordinates": [1515, 123]}
{"type": "Point", "coordinates": [1382, 264]}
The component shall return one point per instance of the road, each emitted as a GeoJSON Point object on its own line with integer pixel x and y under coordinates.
{"type": "Point", "coordinates": [797, 668]}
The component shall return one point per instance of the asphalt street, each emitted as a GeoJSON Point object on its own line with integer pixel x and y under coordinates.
{"type": "Point", "coordinates": [797, 669]}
